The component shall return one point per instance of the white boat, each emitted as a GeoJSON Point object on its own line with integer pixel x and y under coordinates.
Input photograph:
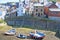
{"type": "Point", "coordinates": [10, 32]}
{"type": "Point", "coordinates": [37, 35]}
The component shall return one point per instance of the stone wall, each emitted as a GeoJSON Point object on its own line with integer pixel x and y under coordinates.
{"type": "Point", "coordinates": [38, 24]}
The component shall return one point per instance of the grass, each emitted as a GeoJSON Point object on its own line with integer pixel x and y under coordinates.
{"type": "Point", "coordinates": [4, 28]}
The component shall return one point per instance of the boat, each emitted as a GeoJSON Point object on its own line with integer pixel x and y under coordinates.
{"type": "Point", "coordinates": [37, 35]}
{"type": "Point", "coordinates": [21, 36]}
{"type": "Point", "coordinates": [10, 32]}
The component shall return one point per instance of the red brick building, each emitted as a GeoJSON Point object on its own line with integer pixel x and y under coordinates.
{"type": "Point", "coordinates": [52, 11]}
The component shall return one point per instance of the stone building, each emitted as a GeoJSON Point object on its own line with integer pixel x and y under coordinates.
{"type": "Point", "coordinates": [38, 9]}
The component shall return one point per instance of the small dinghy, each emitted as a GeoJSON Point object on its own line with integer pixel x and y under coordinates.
{"type": "Point", "coordinates": [10, 32]}
{"type": "Point", "coordinates": [21, 36]}
{"type": "Point", "coordinates": [37, 35]}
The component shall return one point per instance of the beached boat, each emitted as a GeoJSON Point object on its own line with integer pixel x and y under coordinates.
{"type": "Point", "coordinates": [21, 36]}
{"type": "Point", "coordinates": [37, 35]}
{"type": "Point", "coordinates": [10, 32]}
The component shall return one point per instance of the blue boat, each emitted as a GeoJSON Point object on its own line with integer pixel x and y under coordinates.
{"type": "Point", "coordinates": [21, 36]}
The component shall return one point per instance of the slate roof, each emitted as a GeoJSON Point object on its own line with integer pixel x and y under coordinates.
{"type": "Point", "coordinates": [50, 4]}
{"type": "Point", "coordinates": [58, 4]}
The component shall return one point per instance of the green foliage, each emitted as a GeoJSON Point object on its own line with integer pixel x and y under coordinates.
{"type": "Point", "coordinates": [1, 21]}
{"type": "Point", "coordinates": [53, 0]}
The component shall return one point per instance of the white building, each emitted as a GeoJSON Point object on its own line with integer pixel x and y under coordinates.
{"type": "Point", "coordinates": [3, 13]}
{"type": "Point", "coordinates": [21, 9]}
{"type": "Point", "coordinates": [46, 2]}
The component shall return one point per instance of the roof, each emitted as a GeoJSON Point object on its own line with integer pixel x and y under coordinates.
{"type": "Point", "coordinates": [58, 4]}
{"type": "Point", "coordinates": [54, 9]}
{"type": "Point", "coordinates": [48, 4]}
{"type": "Point", "coordinates": [38, 4]}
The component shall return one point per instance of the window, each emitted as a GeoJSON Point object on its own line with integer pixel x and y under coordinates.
{"type": "Point", "coordinates": [41, 13]}
{"type": "Point", "coordinates": [36, 6]}
{"type": "Point", "coordinates": [41, 10]}
{"type": "Point", "coordinates": [54, 12]}
{"type": "Point", "coordinates": [38, 14]}
{"type": "Point", "coordinates": [36, 10]}
{"type": "Point", "coordinates": [16, 14]}
{"type": "Point", "coordinates": [21, 10]}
